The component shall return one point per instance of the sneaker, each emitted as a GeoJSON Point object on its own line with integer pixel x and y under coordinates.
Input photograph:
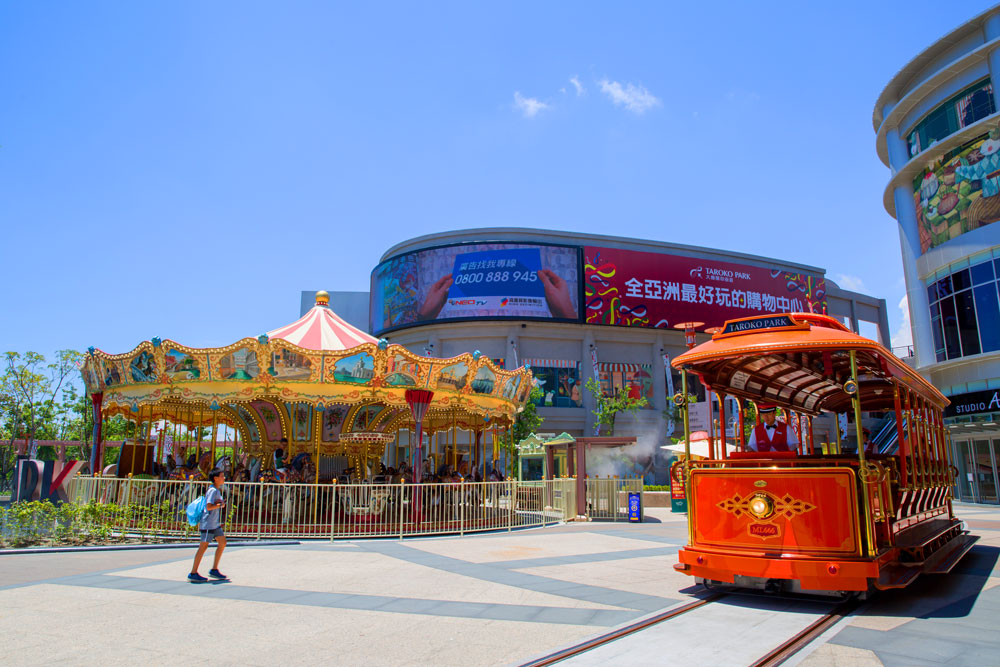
{"type": "Point", "coordinates": [215, 574]}
{"type": "Point", "coordinates": [196, 578]}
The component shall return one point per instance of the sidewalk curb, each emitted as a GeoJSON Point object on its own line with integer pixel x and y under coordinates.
{"type": "Point", "coordinates": [140, 547]}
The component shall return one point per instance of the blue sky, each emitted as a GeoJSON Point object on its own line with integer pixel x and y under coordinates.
{"type": "Point", "coordinates": [184, 169]}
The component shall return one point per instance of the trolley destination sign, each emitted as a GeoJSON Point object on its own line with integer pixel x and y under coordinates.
{"type": "Point", "coordinates": [758, 323]}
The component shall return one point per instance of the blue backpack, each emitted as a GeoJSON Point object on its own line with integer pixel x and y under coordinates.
{"type": "Point", "coordinates": [195, 510]}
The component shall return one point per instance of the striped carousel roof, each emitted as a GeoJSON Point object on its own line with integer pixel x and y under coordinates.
{"type": "Point", "coordinates": [322, 329]}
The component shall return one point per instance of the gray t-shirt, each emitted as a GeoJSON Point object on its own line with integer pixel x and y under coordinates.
{"type": "Point", "coordinates": [211, 519]}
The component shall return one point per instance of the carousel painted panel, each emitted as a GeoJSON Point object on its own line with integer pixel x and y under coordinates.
{"type": "Point", "coordinates": [402, 371]}
{"type": "Point", "coordinates": [270, 416]}
{"type": "Point", "coordinates": [252, 430]}
{"type": "Point", "coordinates": [180, 364]}
{"type": "Point", "coordinates": [293, 364]}
{"type": "Point", "coordinates": [240, 364]}
{"type": "Point", "coordinates": [302, 416]}
{"type": "Point", "coordinates": [453, 377]}
{"type": "Point", "coordinates": [333, 417]}
{"type": "Point", "coordinates": [357, 368]}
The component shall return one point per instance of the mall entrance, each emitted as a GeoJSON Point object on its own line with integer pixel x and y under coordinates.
{"type": "Point", "coordinates": [975, 455]}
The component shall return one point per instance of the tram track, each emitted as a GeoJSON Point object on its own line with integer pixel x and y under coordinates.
{"type": "Point", "coordinates": [772, 658]}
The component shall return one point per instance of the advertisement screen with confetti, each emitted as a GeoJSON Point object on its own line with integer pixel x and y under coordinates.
{"type": "Point", "coordinates": [645, 289]}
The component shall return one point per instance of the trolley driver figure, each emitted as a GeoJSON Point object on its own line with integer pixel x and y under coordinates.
{"type": "Point", "coordinates": [771, 435]}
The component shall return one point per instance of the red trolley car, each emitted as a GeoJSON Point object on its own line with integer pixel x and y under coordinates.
{"type": "Point", "coordinates": [816, 518]}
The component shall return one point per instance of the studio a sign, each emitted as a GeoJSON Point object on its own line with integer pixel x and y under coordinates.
{"type": "Point", "coordinates": [974, 402]}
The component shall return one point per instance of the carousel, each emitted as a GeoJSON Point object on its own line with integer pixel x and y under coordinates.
{"type": "Point", "coordinates": [317, 399]}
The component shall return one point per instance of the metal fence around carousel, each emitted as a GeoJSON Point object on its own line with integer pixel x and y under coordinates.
{"type": "Point", "coordinates": [331, 511]}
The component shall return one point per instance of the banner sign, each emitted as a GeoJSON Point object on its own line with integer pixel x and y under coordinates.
{"type": "Point", "coordinates": [647, 289]}
{"type": "Point", "coordinates": [973, 402]}
{"type": "Point", "coordinates": [496, 280]}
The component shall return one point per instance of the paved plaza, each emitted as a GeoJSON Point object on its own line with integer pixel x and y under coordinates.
{"type": "Point", "coordinates": [493, 599]}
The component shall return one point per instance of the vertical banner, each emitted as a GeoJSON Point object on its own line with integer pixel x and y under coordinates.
{"type": "Point", "coordinates": [597, 380]}
{"type": "Point", "coordinates": [670, 390]}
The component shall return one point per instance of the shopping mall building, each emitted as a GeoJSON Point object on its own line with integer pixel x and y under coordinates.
{"type": "Point", "coordinates": [577, 306]}
{"type": "Point", "coordinates": [939, 133]}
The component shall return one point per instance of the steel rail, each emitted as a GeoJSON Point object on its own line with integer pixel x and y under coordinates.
{"type": "Point", "coordinates": [576, 649]}
{"type": "Point", "coordinates": [792, 646]}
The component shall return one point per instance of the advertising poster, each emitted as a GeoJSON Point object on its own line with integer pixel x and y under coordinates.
{"type": "Point", "coordinates": [476, 280]}
{"type": "Point", "coordinates": [958, 192]}
{"type": "Point", "coordinates": [645, 289]}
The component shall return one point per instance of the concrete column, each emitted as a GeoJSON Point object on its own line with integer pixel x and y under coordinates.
{"type": "Point", "coordinates": [885, 334]}
{"type": "Point", "coordinates": [899, 150]}
{"type": "Point", "coordinates": [916, 296]}
{"type": "Point", "coordinates": [550, 462]}
{"type": "Point", "coordinates": [570, 468]}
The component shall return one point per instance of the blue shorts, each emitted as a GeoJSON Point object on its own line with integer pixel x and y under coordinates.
{"type": "Point", "coordinates": [207, 535]}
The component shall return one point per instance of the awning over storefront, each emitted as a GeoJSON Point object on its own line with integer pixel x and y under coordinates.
{"type": "Point", "coordinates": [619, 367]}
{"type": "Point", "coordinates": [550, 363]}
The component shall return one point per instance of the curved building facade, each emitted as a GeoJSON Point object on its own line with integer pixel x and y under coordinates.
{"type": "Point", "coordinates": [938, 131]}
{"type": "Point", "coordinates": [578, 307]}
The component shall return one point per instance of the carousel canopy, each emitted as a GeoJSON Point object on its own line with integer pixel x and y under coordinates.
{"type": "Point", "coordinates": [322, 329]}
{"type": "Point", "coordinates": [319, 383]}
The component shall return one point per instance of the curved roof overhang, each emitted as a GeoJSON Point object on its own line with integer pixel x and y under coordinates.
{"type": "Point", "coordinates": [802, 366]}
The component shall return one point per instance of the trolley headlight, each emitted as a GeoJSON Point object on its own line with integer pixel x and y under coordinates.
{"type": "Point", "coordinates": [761, 506]}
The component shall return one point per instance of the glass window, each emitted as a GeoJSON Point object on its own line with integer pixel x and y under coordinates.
{"type": "Point", "coordinates": [982, 273]}
{"type": "Point", "coordinates": [932, 294]}
{"type": "Point", "coordinates": [965, 308]}
{"type": "Point", "coordinates": [988, 314]}
{"type": "Point", "coordinates": [637, 380]}
{"type": "Point", "coordinates": [949, 321]}
{"type": "Point", "coordinates": [936, 331]}
{"type": "Point", "coordinates": [961, 280]}
{"type": "Point", "coordinates": [560, 387]}
{"type": "Point", "coordinates": [972, 104]}
{"type": "Point", "coordinates": [944, 287]}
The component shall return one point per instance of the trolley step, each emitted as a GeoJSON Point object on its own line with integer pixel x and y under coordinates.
{"type": "Point", "coordinates": [897, 576]}
{"type": "Point", "coordinates": [947, 557]}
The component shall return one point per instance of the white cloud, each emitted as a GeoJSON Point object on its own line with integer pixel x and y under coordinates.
{"type": "Point", "coordinates": [634, 98]}
{"type": "Point", "coordinates": [852, 283]}
{"type": "Point", "coordinates": [528, 106]}
{"type": "Point", "coordinates": [580, 90]}
{"type": "Point", "coordinates": [904, 334]}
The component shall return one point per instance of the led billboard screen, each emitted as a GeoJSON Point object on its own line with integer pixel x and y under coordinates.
{"type": "Point", "coordinates": [646, 289]}
{"type": "Point", "coordinates": [474, 281]}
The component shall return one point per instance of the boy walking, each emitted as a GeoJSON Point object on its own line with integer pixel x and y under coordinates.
{"type": "Point", "coordinates": [211, 526]}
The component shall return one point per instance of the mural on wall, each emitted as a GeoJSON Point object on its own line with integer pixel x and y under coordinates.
{"type": "Point", "coordinates": [143, 367]}
{"type": "Point", "coordinates": [269, 418]}
{"type": "Point", "coordinates": [290, 365]}
{"type": "Point", "coordinates": [357, 368]}
{"type": "Point", "coordinates": [240, 365]}
{"type": "Point", "coordinates": [333, 422]}
{"type": "Point", "coordinates": [180, 365]}
{"type": "Point", "coordinates": [958, 192]}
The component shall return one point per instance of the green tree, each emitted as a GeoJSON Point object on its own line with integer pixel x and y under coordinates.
{"type": "Point", "coordinates": [34, 402]}
{"type": "Point", "coordinates": [527, 422]}
{"type": "Point", "coordinates": [610, 405]}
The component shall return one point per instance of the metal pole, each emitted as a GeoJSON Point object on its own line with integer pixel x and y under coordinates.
{"type": "Point", "coordinates": [902, 448]}
{"type": "Point", "coordinates": [862, 469]}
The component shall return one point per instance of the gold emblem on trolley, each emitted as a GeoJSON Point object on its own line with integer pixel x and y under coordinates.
{"type": "Point", "coordinates": [760, 484]}
{"type": "Point", "coordinates": [762, 505]}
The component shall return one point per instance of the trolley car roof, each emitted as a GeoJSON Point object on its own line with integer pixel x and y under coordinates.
{"type": "Point", "coordinates": [801, 361]}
